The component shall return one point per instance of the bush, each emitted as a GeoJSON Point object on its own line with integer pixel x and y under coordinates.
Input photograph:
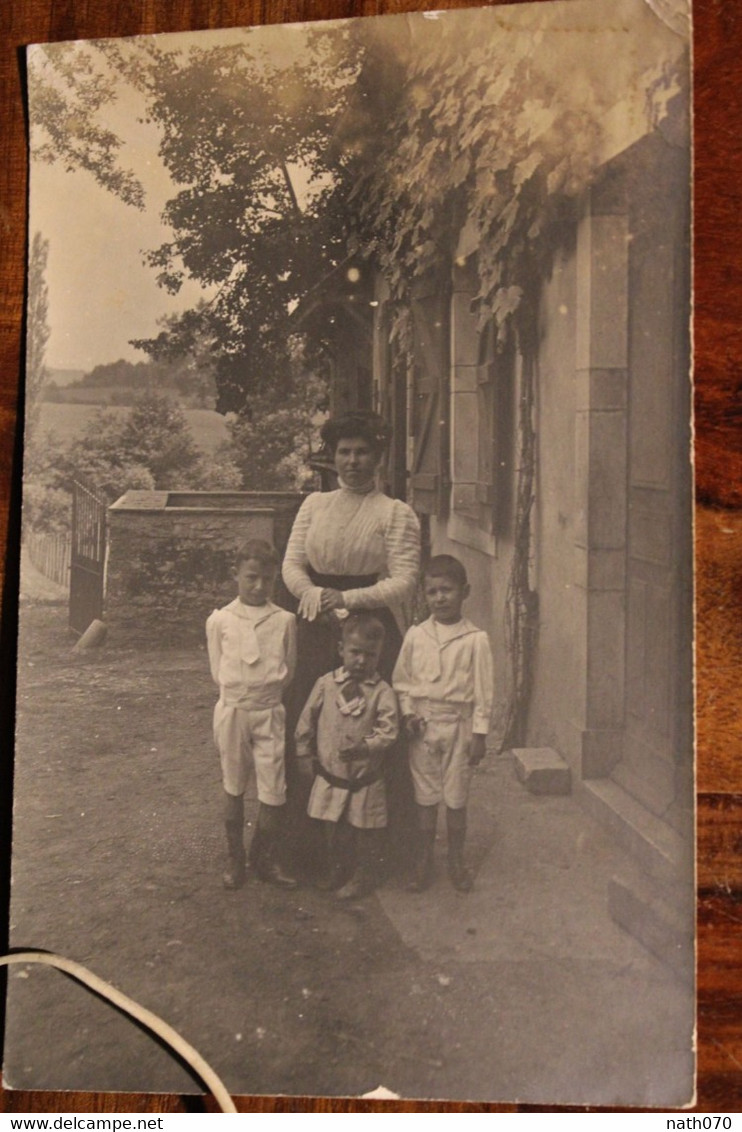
{"type": "Point", "coordinates": [272, 445]}
{"type": "Point", "coordinates": [150, 447]}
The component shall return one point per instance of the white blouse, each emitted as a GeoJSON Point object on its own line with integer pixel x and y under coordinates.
{"type": "Point", "coordinates": [350, 532]}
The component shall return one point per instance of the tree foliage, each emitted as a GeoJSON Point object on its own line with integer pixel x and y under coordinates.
{"type": "Point", "coordinates": [380, 138]}
{"type": "Point", "coordinates": [68, 96]}
{"type": "Point", "coordinates": [246, 138]}
{"type": "Point", "coordinates": [151, 446]}
{"type": "Point", "coordinates": [497, 135]}
{"type": "Point", "coordinates": [272, 445]}
{"type": "Point", "coordinates": [37, 334]}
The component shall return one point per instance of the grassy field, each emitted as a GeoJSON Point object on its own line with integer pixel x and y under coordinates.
{"type": "Point", "coordinates": [67, 422]}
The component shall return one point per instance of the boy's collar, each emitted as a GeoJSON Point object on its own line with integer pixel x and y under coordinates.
{"type": "Point", "coordinates": [462, 628]}
{"type": "Point", "coordinates": [263, 611]}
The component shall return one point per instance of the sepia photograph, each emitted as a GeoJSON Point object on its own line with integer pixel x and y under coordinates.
{"type": "Point", "coordinates": [357, 450]}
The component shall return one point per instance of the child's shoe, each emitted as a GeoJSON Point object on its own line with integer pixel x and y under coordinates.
{"type": "Point", "coordinates": [234, 874]}
{"type": "Point", "coordinates": [268, 867]}
{"type": "Point", "coordinates": [363, 880]}
{"type": "Point", "coordinates": [331, 877]}
{"type": "Point", "coordinates": [461, 878]}
{"type": "Point", "coordinates": [424, 867]}
{"type": "Point", "coordinates": [359, 885]}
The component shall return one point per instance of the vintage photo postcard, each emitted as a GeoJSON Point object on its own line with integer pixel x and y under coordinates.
{"type": "Point", "coordinates": [355, 718]}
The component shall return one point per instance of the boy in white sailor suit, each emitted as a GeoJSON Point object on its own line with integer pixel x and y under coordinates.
{"type": "Point", "coordinates": [252, 654]}
{"type": "Point", "coordinates": [444, 680]}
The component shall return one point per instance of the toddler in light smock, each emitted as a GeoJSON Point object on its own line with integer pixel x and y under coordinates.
{"type": "Point", "coordinates": [347, 726]}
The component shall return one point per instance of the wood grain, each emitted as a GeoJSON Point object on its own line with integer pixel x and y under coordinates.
{"type": "Point", "coordinates": [717, 359]}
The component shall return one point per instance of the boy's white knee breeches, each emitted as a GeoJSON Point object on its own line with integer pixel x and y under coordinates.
{"type": "Point", "coordinates": [252, 738]}
{"type": "Point", "coordinates": [439, 758]}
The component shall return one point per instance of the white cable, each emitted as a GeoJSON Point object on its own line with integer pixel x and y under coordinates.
{"type": "Point", "coordinates": [170, 1036]}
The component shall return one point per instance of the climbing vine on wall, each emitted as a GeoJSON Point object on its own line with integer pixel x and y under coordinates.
{"type": "Point", "coordinates": [496, 136]}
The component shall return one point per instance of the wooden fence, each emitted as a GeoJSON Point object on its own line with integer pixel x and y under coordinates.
{"type": "Point", "coordinates": [51, 555]}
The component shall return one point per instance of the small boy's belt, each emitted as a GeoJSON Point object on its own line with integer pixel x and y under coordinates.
{"type": "Point", "coordinates": [351, 784]}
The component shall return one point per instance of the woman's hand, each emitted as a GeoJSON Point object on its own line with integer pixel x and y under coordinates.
{"type": "Point", "coordinates": [331, 599]}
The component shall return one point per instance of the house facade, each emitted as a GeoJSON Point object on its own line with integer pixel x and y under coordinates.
{"type": "Point", "coordinates": [558, 469]}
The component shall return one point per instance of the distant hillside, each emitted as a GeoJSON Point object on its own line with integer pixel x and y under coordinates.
{"type": "Point", "coordinates": [66, 376]}
{"type": "Point", "coordinates": [68, 422]}
{"type": "Point", "coordinates": [122, 383]}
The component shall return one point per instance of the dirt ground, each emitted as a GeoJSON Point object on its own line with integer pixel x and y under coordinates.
{"type": "Point", "coordinates": [132, 855]}
{"type": "Point", "coordinates": [523, 989]}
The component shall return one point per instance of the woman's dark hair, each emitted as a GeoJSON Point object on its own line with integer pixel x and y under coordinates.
{"type": "Point", "coordinates": [360, 423]}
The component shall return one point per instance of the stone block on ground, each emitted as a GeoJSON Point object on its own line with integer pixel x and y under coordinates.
{"type": "Point", "coordinates": [542, 770]}
{"type": "Point", "coordinates": [92, 638]}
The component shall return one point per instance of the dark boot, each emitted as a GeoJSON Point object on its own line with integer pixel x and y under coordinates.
{"type": "Point", "coordinates": [333, 865]}
{"type": "Point", "coordinates": [460, 876]}
{"type": "Point", "coordinates": [422, 878]}
{"type": "Point", "coordinates": [253, 853]}
{"type": "Point", "coordinates": [234, 822]}
{"type": "Point", "coordinates": [269, 868]}
{"type": "Point", "coordinates": [363, 880]}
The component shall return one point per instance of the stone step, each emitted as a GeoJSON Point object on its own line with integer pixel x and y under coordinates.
{"type": "Point", "coordinates": [542, 770]}
{"type": "Point", "coordinates": [666, 930]}
{"type": "Point", "coordinates": [656, 846]}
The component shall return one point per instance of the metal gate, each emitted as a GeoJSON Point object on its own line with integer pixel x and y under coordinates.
{"type": "Point", "coordinates": [88, 559]}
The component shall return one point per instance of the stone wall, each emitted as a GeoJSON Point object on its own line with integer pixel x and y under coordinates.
{"type": "Point", "coordinates": [171, 554]}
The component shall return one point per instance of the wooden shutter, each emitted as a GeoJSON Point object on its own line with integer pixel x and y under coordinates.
{"type": "Point", "coordinates": [430, 476]}
{"type": "Point", "coordinates": [495, 389]}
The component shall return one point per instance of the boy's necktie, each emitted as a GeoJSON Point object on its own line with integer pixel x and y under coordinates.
{"type": "Point", "coordinates": [249, 647]}
{"type": "Point", "coordinates": [351, 698]}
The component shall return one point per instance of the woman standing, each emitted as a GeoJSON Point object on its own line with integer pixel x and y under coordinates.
{"type": "Point", "coordinates": [353, 548]}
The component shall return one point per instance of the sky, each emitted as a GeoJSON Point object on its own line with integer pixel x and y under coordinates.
{"type": "Point", "coordinates": [101, 292]}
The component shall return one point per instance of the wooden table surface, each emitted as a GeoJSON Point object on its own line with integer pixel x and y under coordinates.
{"type": "Point", "coordinates": [717, 361]}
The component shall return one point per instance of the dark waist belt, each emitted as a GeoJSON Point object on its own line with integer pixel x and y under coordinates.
{"type": "Point", "coordinates": [351, 784]}
{"type": "Point", "coordinates": [343, 581]}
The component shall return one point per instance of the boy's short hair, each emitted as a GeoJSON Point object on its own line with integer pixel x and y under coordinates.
{"type": "Point", "coordinates": [258, 549]}
{"type": "Point", "coordinates": [445, 566]}
{"type": "Point", "coordinates": [367, 625]}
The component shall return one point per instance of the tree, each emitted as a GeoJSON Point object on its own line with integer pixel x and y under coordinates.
{"type": "Point", "coordinates": [280, 167]}
{"type": "Point", "coordinates": [151, 446]}
{"type": "Point", "coordinates": [37, 334]}
{"type": "Point", "coordinates": [69, 93]}
{"type": "Point", "coordinates": [273, 444]}
{"type": "Point", "coordinates": [187, 352]}
{"type": "Point", "coordinates": [246, 139]}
